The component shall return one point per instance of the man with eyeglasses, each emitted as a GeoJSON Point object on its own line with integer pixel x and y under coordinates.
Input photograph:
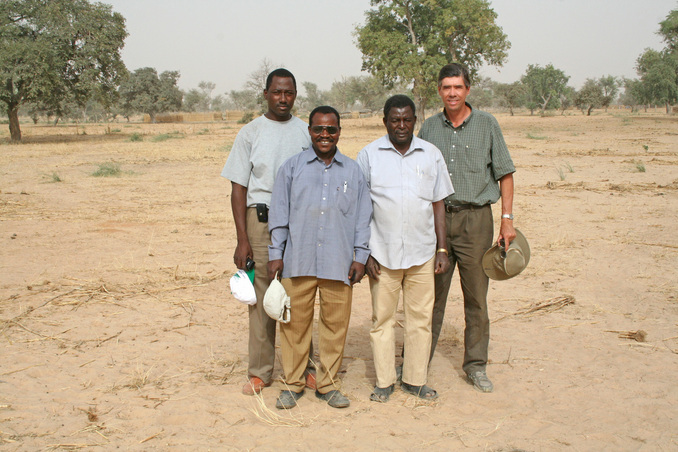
{"type": "Point", "coordinates": [408, 182]}
{"type": "Point", "coordinates": [258, 151]}
{"type": "Point", "coordinates": [319, 223]}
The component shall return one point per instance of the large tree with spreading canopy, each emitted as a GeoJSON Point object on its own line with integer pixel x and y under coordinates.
{"type": "Point", "coordinates": [408, 41]}
{"type": "Point", "coordinates": [54, 52]}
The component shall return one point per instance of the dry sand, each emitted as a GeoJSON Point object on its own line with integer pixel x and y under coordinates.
{"type": "Point", "coordinates": [118, 329]}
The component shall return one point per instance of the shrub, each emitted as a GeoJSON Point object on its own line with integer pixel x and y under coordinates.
{"type": "Point", "coordinates": [107, 170]}
{"type": "Point", "coordinates": [247, 117]}
{"type": "Point", "coordinates": [165, 137]}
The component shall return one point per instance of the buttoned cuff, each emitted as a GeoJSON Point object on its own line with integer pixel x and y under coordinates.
{"type": "Point", "coordinates": [274, 253]}
{"type": "Point", "coordinates": [361, 256]}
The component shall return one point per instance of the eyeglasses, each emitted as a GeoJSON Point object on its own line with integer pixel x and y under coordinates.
{"type": "Point", "coordinates": [319, 129]}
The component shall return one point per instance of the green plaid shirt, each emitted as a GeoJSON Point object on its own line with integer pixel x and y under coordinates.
{"type": "Point", "coordinates": [475, 153]}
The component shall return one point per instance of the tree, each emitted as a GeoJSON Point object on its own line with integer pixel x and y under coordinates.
{"type": "Point", "coordinates": [408, 41]}
{"type": "Point", "coordinates": [590, 96]}
{"type": "Point", "coordinates": [658, 73]}
{"type": "Point", "coordinates": [482, 94]}
{"type": "Point", "coordinates": [52, 51]}
{"type": "Point", "coordinates": [544, 85]}
{"type": "Point", "coordinates": [566, 99]}
{"type": "Point", "coordinates": [633, 94]}
{"type": "Point", "coordinates": [610, 86]}
{"type": "Point", "coordinates": [668, 28]}
{"type": "Point", "coordinates": [146, 92]}
{"type": "Point", "coordinates": [314, 96]}
{"type": "Point", "coordinates": [200, 99]}
{"type": "Point", "coordinates": [511, 95]}
{"type": "Point", "coordinates": [245, 100]}
{"type": "Point", "coordinates": [340, 95]}
{"type": "Point", "coordinates": [256, 81]}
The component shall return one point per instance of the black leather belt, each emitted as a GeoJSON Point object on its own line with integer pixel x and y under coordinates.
{"type": "Point", "coordinates": [460, 207]}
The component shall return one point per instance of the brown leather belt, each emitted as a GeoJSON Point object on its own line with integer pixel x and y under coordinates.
{"type": "Point", "coordinates": [460, 207]}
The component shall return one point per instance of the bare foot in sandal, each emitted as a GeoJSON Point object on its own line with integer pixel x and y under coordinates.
{"type": "Point", "coordinates": [381, 394]}
{"type": "Point", "coordinates": [423, 392]}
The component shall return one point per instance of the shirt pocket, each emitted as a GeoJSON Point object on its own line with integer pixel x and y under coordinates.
{"type": "Point", "coordinates": [346, 201]}
{"type": "Point", "coordinates": [424, 187]}
{"type": "Point", "coordinates": [476, 160]}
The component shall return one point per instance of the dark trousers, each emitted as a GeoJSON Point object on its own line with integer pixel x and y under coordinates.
{"type": "Point", "coordinates": [469, 234]}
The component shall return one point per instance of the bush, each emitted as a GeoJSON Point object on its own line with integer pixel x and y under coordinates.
{"type": "Point", "coordinates": [247, 117]}
{"type": "Point", "coordinates": [107, 170]}
{"type": "Point", "coordinates": [136, 137]}
{"type": "Point", "coordinates": [166, 136]}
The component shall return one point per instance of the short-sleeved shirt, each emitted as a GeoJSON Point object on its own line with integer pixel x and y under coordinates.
{"type": "Point", "coordinates": [258, 151]}
{"type": "Point", "coordinates": [475, 154]}
{"type": "Point", "coordinates": [319, 217]}
{"type": "Point", "coordinates": [403, 188]}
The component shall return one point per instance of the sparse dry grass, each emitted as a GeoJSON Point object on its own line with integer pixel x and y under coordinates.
{"type": "Point", "coordinates": [119, 330]}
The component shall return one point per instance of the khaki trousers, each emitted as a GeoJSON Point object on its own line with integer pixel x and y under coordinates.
{"type": "Point", "coordinates": [417, 285]}
{"type": "Point", "coordinates": [469, 234]}
{"type": "Point", "coordinates": [295, 336]}
{"type": "Point", "coordinates": [261, 346]}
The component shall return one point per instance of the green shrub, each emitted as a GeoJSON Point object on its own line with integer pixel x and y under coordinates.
{"type": "Point", "coordinates": [107, 170]}
{"type": "Point", "coordinates": [166, 136]}
{"type": "Point", "coordinates": [136, 137]}
{"type": "Point", "coordinates": [55, 178]}
{"type": "Point", "coordinates": [247, 117]}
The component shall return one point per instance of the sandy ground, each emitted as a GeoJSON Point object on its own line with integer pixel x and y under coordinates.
{"type": "Point", "coordinates": [118, 330]}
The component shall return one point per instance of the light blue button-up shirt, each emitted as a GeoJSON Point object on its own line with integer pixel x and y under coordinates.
{"type": "Point", "coordinates": [319, 217]}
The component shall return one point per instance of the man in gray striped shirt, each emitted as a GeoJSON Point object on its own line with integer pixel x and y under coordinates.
{"type": "Point", "coordinates": [481, 170]}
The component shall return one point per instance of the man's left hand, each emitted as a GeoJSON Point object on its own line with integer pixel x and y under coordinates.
{"type": "Point", "coordinates": [356, 272]}
{"type": "Point", "coordinates": [442, 263]}
{"type": "Point", "coordinates": [506, 233]}
{"type": "Point", "coordinates": [275, 267]}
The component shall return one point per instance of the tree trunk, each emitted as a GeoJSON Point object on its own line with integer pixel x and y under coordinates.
{"type": "Point", "coordinates": [668, 108]}
{"type": "Point", "coordinates": [588, 112]}
{"type": "Point", "coordinates": [14, 127]}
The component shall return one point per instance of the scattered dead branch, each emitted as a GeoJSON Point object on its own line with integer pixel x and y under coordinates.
{"type": "Point", "coordinates": [638, 336]}
{"type": "Point", "coordinates": [550, 305]}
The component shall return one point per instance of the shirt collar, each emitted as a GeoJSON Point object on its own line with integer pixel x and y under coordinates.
{"type": "Point", "coordinates": [310, 156]}
{"type": "Point", "coordinates": [449, 123]}
{"type": "Point", "coordinates": [386, 145]}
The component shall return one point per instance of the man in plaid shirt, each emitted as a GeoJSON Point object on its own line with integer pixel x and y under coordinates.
{"type": "Point", "coordinates": [481, 170]}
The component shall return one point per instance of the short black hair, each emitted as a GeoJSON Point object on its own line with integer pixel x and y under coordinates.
{"type": "Point", "coordinates": [280, 72]}
{"type": "Point", "coordinates": [399, 101]}
{"type": "Point", "coordinates": [455, 70]}
{"type": "Point", "coordinates": [324, 110]}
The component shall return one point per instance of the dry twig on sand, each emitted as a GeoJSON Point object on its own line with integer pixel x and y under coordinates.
{"type": "Point", "coordinates": [550, 305]}
{"type": "Point", "coordinates": [638, 336]}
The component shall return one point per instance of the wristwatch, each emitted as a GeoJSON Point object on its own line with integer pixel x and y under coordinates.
{"type": "Point", "coordinates": [508, 216]}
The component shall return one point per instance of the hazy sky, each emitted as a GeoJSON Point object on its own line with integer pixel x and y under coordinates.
{"type": "Point", "coordinates": [223, 41]}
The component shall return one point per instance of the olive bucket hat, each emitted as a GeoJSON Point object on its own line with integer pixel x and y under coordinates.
{"type": "Point", "coordinates": [499, 264]}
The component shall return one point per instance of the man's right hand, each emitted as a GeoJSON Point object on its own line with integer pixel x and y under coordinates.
{"type": "Point", "coordinates": [275, 266]}
{"type": "Point", "coordinates": [372, 268]}
{"type": "Point", "coordinates": [243, 250]}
